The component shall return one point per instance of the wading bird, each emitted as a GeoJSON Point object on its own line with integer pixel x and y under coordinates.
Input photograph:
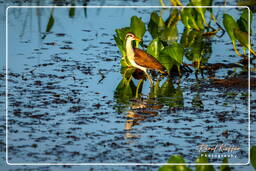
{"type": "Point", "coordinates": [140, 59]}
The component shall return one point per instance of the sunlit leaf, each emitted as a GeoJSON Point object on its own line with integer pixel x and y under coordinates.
{"type": "Point", "coordinates": [253, 156]}
{"type": "Point", "coordinates": [203, 159]}
{"type": "Point", "coordinates": [230, 24]}
{"type": "Point", "coordinates": [155, 47]}
{"type": "Point", "coordinates": [225, 167]}
{"type": "Point", "coordinates": [50, 22]}
{"type": "Point", "coordinates": [137, 27]}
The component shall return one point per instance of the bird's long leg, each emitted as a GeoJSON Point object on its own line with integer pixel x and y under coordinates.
{"type": "Point", "coordinates": [149, 77]}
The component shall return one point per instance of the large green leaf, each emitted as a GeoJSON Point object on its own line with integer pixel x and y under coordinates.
{"type": "Point", "coordinates": [203, 159]}
{"type": "Point", "coordinates": [225, 167]}
{"type": "Point", "coordinates": [156, 24]}
{"type": "Point", "coordinates": [155, 47]}
{"type": "Point", "coordinates": [175, 51]}
{"type": "Point", "coordinates": [138, 27]}
{"type": "Point", "coordinates": [230, 24]}
{"type": "Point", "coordinates": [253, 156]}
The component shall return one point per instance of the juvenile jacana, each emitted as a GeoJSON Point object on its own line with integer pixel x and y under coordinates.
{"type": "Point", "coordinates": [140, 59]}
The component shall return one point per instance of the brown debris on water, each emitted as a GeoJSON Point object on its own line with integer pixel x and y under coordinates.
{"type": "Point", "coordinates": [234, 82]}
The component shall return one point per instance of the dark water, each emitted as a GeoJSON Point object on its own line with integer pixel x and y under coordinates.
{"type": "Point", "coordinates": [62, 106]}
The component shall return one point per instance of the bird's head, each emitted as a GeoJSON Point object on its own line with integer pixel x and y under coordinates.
{"type": "Point", "coordinates": [131, 36]}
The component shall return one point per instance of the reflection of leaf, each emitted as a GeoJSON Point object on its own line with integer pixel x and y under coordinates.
{"type": "Point", "coordinates": [125, 90]}
{"type": "Point", "coordinates": [50, 22]}
{"type": "Point", "coordinates": [225, 167]}
{"type": "Point", "coordinates": [171, 96]}
{"type": "Point", "coordinates": [138, 26]}
{"type": "Point", "coordinates": [155, 47]}
{"type": "Point", "coordinates": [156, 24]}
{"type": "Point", "coordinates": [253, 156]}
{"type": "Point", "coordinates": [203, 159]}
{"type": "Point", "coordinates": [175, 159]}
{"type": "Point", "coordinates": [197, 101]}
{"type": "Point", "coordinates": [72, 12]}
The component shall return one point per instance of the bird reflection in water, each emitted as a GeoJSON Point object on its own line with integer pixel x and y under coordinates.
{"type": "Point", "coordinates": [140, 110]}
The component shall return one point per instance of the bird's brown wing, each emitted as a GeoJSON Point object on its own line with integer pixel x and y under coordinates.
{"type": "Point", "coordinates": [146, 60]}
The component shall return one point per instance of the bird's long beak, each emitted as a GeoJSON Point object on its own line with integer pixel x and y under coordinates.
{"type": "Point", "coordinates": [138, 39]}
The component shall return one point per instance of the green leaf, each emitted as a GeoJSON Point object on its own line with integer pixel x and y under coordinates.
{"type": "Point", "coordinates": [173, 18]}
{"type": "Point", "coordinates": [156, 24]}
{"type": "Point", "coordinates": [243, 21]}
{"type": "Point", "coordinates": [241, 36]}
{"type": "Point", "coordinates": [121, 33]}
{"type": "Point", "coordinates": [155, 47]}
{"type": "Point", "coordinates": [201, 11]}
{"type": "Point", "coordinates": [50, 22]}
{"type": "Point", "coordinates": [175, 51]}
{"type": "Point", "coordinates": [188, 18]}
{"type": "Point", "coordinates": [230, 24]}
{"type": "Point", "coordinates": [166, 61]}
{"type": "Point", "coordinates": [138, 27]}
{"type": "Point", "coordinates": [203, 159]}
{"type": "Point", "coordinates": [120, 45]}
{"type": "Point", "coordinates": [175, 159]}
{"type": "Point", "coordinates": [225, 167]}
{"type": "Point", "coordinates": [253, 156]}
